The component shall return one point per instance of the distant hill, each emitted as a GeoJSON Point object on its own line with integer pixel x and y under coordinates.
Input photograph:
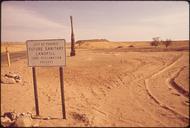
{"type": "Point", "coordinates": [92, 40]}
{"type": "Point", "coordinates": [104, 44]}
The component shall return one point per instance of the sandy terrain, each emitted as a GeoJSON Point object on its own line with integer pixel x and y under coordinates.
{"type": "Point", "coordinates": [106, 85]}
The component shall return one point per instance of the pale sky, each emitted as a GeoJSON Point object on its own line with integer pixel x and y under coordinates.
{"type": "Point", "coordinates": [112, 20]}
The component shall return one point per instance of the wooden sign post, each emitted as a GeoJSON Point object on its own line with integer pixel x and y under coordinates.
{"type": "Point", "coordinates": [35, 91]}
{"type": "Point", "coordinates": [8, 57]}
{"type": "Point", "coordinates": [44, 53]}
{"type": "Point", "coordinates": [62, 92]}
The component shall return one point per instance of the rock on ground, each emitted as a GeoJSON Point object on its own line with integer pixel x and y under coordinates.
{"type": "Point", "coordinates": [11, 78]}
{"type": "Point", "coordinates": [23, 121]}
{"type": "Point", "coordinates": [7, 80]}
{"type": "Point", "coordinates": [12, 119]}
{"type": "Point", "coordinates": [6, 122]}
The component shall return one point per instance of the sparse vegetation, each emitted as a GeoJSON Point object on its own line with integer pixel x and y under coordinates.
{"type": "Point", "coordinates": [80, 42]}
{"type": "Point", "coordinates": [120, 47]}
{"type": "Point", "coordinates": [92, 40]}
{"type": "Point", "coordinates": [131, 46]}
{"type": "Point", "coordinates": [155, 41]}
{"type": "Point", "coordinates": [167, 42]}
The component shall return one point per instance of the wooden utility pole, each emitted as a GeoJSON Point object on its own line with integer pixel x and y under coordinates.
{"type": "Point", "coordinates": [72, 39]}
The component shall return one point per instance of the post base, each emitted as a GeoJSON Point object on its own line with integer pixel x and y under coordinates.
{"type": "Point", "coordinates": [72, 54]}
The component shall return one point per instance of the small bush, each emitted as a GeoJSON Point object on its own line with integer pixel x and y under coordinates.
{"type": "Point", "coordinates": [155, 41]}
{"type": "Point", "coordinates": [120, 47]}
{"type": "Point", "coordinates": [167, 42]}
{"type": "Point", "coordinates": [131, 46]}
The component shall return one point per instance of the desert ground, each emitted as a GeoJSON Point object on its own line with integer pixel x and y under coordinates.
{"type": "Point", "coordinates": [106, 84]}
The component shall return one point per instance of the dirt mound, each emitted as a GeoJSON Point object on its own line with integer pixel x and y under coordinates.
{"type": "Point", "coordinates": [97, 45]}
{"type": "Point", "coordinates": [94, 43]}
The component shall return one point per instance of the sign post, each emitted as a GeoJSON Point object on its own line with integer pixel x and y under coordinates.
{"type": "Point", "coordinates": [8, 57]}
{"type": "Point", "coordinates": [62, 92]}
{"type": "Point", "coordinates": [44, 53]}
{"type": "Point", "coordinates": [35, 91]}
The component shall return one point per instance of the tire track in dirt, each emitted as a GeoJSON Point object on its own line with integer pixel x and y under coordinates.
{"type": "Point", "coordinates": [123, 83]}
{"type": "Point", "coordinates": [112, 83]}
{"type": "Point", "coordinates": [166, 68]}
{"type": "Point", "coordinates": [138, 103]}
{"type": "Point", "coordinates": [177, 87]}
{"type": "Point", "coordinates": [139, 81]}
{"type": "Point", "coordinates": [151, 95]}
{"type": "Point", "coordinates": [122, 80]}
{"type": "Point", "coordinates": [160, 123]}
{"type": "Point", "coordinates": [183, 117]}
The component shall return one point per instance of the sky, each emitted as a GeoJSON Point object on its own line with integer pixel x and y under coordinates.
{"type": "Point", "coordinates": [112, 20]}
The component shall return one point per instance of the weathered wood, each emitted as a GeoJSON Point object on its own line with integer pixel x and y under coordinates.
{"type": "Point", "coordinates": [62, 92]}
{"type": "Point", "coordinates": [35, 91]}
{"type": "Point", "coordinates": [72, 39]}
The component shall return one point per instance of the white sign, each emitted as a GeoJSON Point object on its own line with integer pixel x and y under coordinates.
{"type": "Point", "coordinates": [46, 52]}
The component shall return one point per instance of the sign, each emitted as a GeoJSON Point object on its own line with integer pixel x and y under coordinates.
{"type": "Point", "coordinates": [46, 52]}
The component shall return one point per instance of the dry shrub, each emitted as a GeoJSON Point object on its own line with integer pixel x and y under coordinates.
{"type": "Point", "coordinates": [131, 46]}
{"type": "Point", "coordinates": [167, 42]}
{"type": "Point", "coordinates": [155, 41]}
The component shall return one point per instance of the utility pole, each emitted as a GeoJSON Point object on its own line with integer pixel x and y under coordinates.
{"type": "Point", "coordinates": [72, 39]}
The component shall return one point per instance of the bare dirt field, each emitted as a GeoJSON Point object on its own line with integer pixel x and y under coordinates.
{"type": "Point", "coordinates": [106, 84]}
